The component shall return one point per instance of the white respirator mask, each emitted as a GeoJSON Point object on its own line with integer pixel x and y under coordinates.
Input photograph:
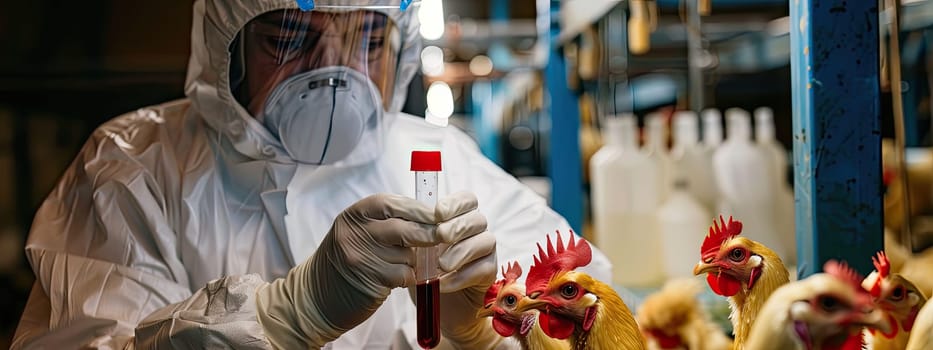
{"type": "Point", "coordinates": [316, 80]}
{"type": "Point", "coordinates": [321, 115]}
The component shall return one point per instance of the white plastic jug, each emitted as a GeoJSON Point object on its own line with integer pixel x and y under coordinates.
{"type": "Point", "coordinates": [656, 148]}
{"type": "Point", "coordinates": [712, 128]}
{"type": "Point", "coordinates": [784, 194]}
{"type": "Point", "coordinates": [745, 182]}
{"type": "Point", "coordinates": [625, 198]}
{"type": "Point", "coordinates": [706, 192]}
{"type": "Point", "coordinates": [683, 222]}
{"type": "Point", "coordinates": [692, 162]}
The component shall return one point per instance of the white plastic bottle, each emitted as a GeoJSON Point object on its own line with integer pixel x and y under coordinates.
{"type": "Point", "coordinates": [784, 195]}
{"type": "Point", "coordinates": [764, 136]}
{"type": "Point", "coordinates": [745, 182]}
{"type": "Point", "coordinates": [712, 128]}
{"type": "Point", "coordinates": [683, 219]}
{"type": "Point", "coordinates": [706, 191]}
{"type": "Point", "coordinates": [625, 198]}
{"type": "Point", "coordinates": [691, 163]}
{"type": "Point", "coordinates": [656, 147]}
{"type": "Point", "coordinates": [604, 168]}
{"type": "Point", "coordinates": [686, 132]}
{"type": "Point", "coordinates": [683, 222]}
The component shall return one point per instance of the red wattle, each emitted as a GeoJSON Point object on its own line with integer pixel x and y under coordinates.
{"type": "Point", "coordinates": [855, 341]}
{"type": "Point", "coordinates": [505, 329]}
{"type": "Point", "coordinates": [893, 328]}
{"type": "Point", "coordinates": [555, 326]}
{"type": "Point", "coordinates": [723, 284]}
{"type": "Point", "coordinates": [852, 343]}
{"type": "Point", "coordinates": [666, 341]}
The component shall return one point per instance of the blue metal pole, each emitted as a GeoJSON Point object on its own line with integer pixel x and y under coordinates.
{"type": "Point", "coordinates": [485, 124]}
{"type": "Point", "coordinates": [487, 95]}
{"type": "Point", "coordinates": [498, 50]}
{"type": "Point", "coordinates": [499, 10]}
{"type": "Point", "coordinates": [564, 164]}
{"type": "Point", "coordinates": [837, 132]}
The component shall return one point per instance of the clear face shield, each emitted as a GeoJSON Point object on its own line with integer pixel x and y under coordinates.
{"type": "Point", "coordinates": [318, 80]}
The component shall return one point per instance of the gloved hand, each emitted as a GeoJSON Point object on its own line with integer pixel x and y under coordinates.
{"type": "Point", "coordinates": [469, 264]}
{"type": "Point", "coordinates": [366, 253]}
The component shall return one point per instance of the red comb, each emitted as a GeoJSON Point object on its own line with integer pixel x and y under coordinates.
{"type": "Point", "coordinates": [550, 262]}
{"type": "Point", "coordinates": [719, 233]}
{"type": "Point", "coordinates": [513, 273]}
{"type": "Point", "coordinates": [883, 266]}
{"type": "Point", "coordinates": [845, 273]}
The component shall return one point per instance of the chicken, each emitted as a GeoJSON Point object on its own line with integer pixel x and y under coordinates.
{"type": "Point", "coordinates": [501, 299]}
{"type": "Point", "coordinates": [824, 311]}
{"type": "Point", "coordinates": [917, 268]}
{"type": "Point", "coordinates": [898, 298]}
{"type": "Point", "coordinates": [922, 336]}
{"type": "Point", "coordinates": [673, 319]}
{"type": "Point", "coordinates": [741, 269]}
{"type": "Point", "coordinates": [573, 304]}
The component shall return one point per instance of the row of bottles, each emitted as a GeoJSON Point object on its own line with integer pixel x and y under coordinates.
{"type": "Point", "coordinates": [652, 206]}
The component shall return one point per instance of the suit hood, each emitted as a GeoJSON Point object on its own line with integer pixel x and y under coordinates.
{"type": "Point", "coordinates": [217, 23]}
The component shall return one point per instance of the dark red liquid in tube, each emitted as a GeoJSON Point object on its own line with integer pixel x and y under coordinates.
{"type": "Point", "coordinates": [428, 295]}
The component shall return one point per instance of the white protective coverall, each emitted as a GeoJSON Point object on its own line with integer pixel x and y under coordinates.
{"type": "Point", "coordinates": [171, 216]}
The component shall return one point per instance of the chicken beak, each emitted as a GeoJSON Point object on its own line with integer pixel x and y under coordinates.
{"type": "Point", "coordinates": [876, 319]}
{"type": "Point", "coordinates": [486, 311]}
{"type": "Point", "coordinates": [525, 304]}
{"type": "Point", "coordinates": [702, 267]}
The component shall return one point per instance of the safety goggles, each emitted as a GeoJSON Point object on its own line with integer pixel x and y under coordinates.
{"type": "Point", "coordinates": [280, 44]}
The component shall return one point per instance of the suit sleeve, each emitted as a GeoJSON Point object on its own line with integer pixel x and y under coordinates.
{"type": "Point", "coordinates": [107, 272]}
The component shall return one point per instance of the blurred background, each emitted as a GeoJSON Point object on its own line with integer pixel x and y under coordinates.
{"type": "Point", "coordinates": [68, 66]}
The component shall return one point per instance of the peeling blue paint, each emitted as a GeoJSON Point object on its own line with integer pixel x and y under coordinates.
{"type": "Point", "coordinates": [837, 149]}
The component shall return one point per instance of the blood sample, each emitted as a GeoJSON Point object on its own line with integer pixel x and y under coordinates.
{"type": "Point", "coordinates": [428, 313]}
{"type": "Point", "coordinates": [426, 165]}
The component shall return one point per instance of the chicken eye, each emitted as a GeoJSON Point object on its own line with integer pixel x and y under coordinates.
{"type": "Point", "coordinates": [510, 300]}
{"type": "Point", "coordinates": [568, 291]}
{"type": "Point", "coordinates": [737, 254]}
{"type": "Point", "coordinates": [829, 304]}
{"type": "Point", "coordinates": [898, 293]}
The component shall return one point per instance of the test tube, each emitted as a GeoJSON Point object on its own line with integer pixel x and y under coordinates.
{"type": "Point", "coordinates": [426, 165]}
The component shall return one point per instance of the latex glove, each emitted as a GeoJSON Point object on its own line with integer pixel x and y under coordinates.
{"type": "Point", "coordinates": [366, 253]}
{"type": "Point", "coordinates": [470, 265]}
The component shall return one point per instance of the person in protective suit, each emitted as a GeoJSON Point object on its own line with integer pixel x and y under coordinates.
{"type": "Point", "coordinates": [270, 208]}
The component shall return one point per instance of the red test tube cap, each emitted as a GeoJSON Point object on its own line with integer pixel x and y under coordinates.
{"type": "Point", "coordinates": [425, 161]}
